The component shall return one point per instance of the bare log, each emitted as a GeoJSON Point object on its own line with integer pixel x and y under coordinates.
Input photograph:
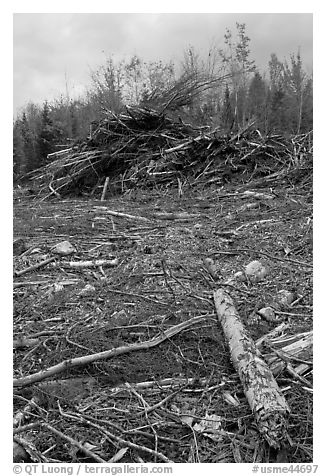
{"type": "Point", "coordinates": [263, 394]}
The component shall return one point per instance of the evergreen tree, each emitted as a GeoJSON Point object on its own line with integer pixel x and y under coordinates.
{"type": "Point", "coordinates": [30, 147]}
{"type": "Point", "coordinates": [47, 135]}
{"type": "Point", "coordinates": [257, 101]}
{"type": "Point", "coordinates": [19, 160]}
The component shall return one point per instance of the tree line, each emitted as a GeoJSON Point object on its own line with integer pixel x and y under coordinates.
{"type": "Point", "coordinates": [279, 100]}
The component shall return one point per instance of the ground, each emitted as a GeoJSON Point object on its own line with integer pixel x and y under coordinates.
{"type": "Point", "coordinates": [161, 280]}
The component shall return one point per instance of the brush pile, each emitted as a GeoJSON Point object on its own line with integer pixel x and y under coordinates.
{"type": "Point", "coordinates": [143, 147]}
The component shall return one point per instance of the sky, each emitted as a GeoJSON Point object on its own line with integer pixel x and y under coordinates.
{"type": "Point", "coordinates": [56, 51]}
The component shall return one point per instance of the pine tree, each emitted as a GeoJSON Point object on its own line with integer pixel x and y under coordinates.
{"type": "Point", "coordinates": [257, 101]}
{"type": "Point", "coordinates": [19, 160]}
{"type": "Point", "coordinates": [47, 135]}
{"type": "Point", "coordinates": [30, 147]}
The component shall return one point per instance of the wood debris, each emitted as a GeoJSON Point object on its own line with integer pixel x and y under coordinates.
{"type": "Point", "coordinates": [144, 147]}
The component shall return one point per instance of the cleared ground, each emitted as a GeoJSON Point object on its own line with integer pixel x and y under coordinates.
{"type": "Point", "coordinates": [160, 281]}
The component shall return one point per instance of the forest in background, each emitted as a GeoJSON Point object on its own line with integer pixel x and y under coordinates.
{"type": "Point", "coordinates": [236, 94]}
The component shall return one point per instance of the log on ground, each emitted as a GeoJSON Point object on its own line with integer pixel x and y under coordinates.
{"type": "Point", "coordinates": [261, 389]}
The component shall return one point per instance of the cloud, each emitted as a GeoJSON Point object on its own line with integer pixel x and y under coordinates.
{"type": "Point", "coordinates": [50, 47]}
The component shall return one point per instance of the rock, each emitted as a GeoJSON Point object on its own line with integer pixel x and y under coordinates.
{"type": "Point", "coordinates": [256, 271]}
{"type": "Point", "coordinates": [64, 248]}
{"type": "Point", "coordinates": [211, 267]}
{"type": "Point", "coordinates": [268, 313]}
{"type": "Point", "coordinates": [19, 454]}
{"type": "Point", "coordinates": [120, 318]}
{"type": "Point", "coordinates": [19, 246]}
{"type": "Point", "coordinates": [54, 292]}
{"type": "Point", "coordinates": [285, 298]}
{"type": "Point", "coordinates": [88, 290]}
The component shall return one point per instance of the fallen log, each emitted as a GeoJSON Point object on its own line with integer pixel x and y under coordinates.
{"type": "Point", "coordinates": [265, 399]}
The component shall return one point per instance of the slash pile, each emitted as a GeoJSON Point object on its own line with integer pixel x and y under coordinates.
{"type": "Point", "coordinates": [143, 147]}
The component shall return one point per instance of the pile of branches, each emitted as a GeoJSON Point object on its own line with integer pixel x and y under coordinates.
{"type": "Point", "coordinates": [143, 147]}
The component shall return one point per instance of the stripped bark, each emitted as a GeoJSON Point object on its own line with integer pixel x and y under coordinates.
{"type": "Point", "coordinates": [263, 394]}
{"type": "Point", "coordinates": [290, 348]}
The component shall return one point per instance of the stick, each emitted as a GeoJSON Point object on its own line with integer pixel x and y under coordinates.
{"type": "Point", "coordinates": [73, 442]}
{"type": "Point", "coordinates": [107, 354]}
{"type": "Point", "coordinates": [35, 266]}
{"type": "Point", "coordinates": [30, 283]}
{"type": "Point", "coordinates": [91, 264]}
{"type": "Point", "coordinates": [121, 441]}
{"type": "Point", "coordinates": [124, 215]}
{"type": "Point", "coordinates": [106, 183]}
{"type": "Point", "coordinates": [263, 394]}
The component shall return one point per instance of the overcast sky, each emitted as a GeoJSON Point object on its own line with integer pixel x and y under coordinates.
{"type": "Point", "coordinates": [52, 47]}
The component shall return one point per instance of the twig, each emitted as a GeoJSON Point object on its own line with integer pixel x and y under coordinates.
{"type": "Point", "coordinates": [278, 258]}
{"type": "Point", "coordinates": [30, 449]}
{"type": "Point", "coordinates": [22, 414]}
{"type": "Point", "coordinates": [123, 215]}
{"type": "Point", "coordinates": [168, 285]}
{"type": "Point", "coordinates": [136, 295]}
{"type": "Point", "coordinates": [73, 442]}
{"type": "Point", "coordinates": [121, 441]}
{"type": "Point", "coordinates": [29, 426]}
{"type": "Point", "coordinates": [30, 283]}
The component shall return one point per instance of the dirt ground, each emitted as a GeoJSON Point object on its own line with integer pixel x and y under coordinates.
{"type": "Point", "coordinates": [194, 409]}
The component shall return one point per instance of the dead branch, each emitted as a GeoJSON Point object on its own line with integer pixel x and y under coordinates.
{"type": "Point", "coordinates": [74, 442]}
{"type": "Point", "coordinates": [123, 215]}
{"type": "Point", "coordinates": [90, 264]}
{"type": "Point", "coordinates": [120, 440]}
{"type": "Point", "coordinates": [87, 359]}
{"type": "Point", "coordinates": [35, 266]}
